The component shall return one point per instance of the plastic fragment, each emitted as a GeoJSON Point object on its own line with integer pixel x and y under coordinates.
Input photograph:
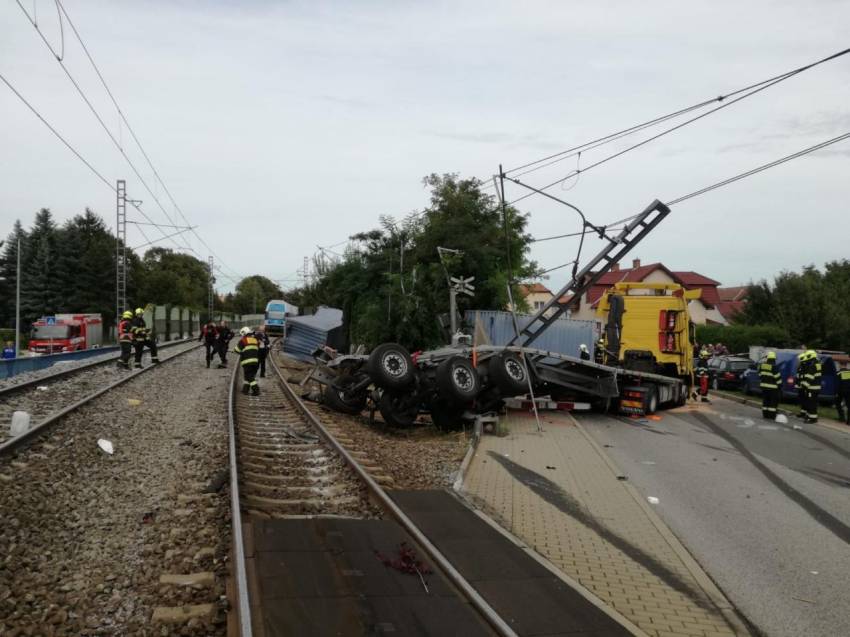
{"type": "Point", "coordinates": [106, 446]}
{"type": "Point", "coordinates": [797, 428]}
{"type": "Point", "coordinates": [20, 423]}
{"type": "Point", "coordinates": [42, 388]}
{"type": "Point", "coordinates": [782, 419]}
{"type": "Point", "coordinates": [653, 500]}
{"type": "Point", "coordinates": [134, 402]}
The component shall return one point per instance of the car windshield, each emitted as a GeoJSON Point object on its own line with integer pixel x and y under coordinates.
{"type": "Point", "coordinates": [46, 332]}
{"type": "Point", "coordinates": [737, 366]}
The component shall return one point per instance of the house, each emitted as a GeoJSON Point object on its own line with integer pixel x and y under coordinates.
{"type": "Point", "coordinates": [702, 310]}
{"type": "Point", "coordinates": [536, 295]}
{"type": "Point", "coordinates": [732, 301]}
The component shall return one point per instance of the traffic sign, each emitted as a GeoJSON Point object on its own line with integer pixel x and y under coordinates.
{"type": "Point", "coordinates": [50, 320]}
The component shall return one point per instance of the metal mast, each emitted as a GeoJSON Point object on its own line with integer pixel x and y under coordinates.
{"type": "Point", "coordinates": [210, 293]}
{"type": "Point", "coordinates": [120, 249]}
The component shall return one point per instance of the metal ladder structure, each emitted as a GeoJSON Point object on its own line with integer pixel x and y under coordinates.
{"type": "Point", "coordinates": [120, 248]}
{"type": "Point", "coordinates": [617, 247]}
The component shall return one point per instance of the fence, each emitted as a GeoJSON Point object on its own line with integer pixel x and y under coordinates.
{"type": "Point", "coordinates": [15, 366]}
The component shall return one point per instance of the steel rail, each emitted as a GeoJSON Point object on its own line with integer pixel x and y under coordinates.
{"type": "Point", "coordinates": [19, 441]}
{"type": "Point", "coordinates": [41, 380]}
{"type": "Point", "coordinates": [243, 604]}
{"type": "Point", "coordinates": [475, 599]}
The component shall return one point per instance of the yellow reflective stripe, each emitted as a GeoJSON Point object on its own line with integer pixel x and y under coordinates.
{"type": "Point", "coordinates": [248, 361]}
{"type": "Point", "coordinates": [249, 347]}
{"type": "Point", "coordinates": [766, 386]}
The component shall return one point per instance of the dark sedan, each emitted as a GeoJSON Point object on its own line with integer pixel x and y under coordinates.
{"type": "Point", "coordinates": [724, 372]}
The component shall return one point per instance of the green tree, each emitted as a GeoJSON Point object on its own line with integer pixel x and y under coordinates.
{"type": "Point", "coordinates": [41, 287]}
{"type": "Point", "coordinates": [9, 272]}
{"type": "Point", "coordinates": [171, 278]}
{"type": "Point", "coordinates": [252, 293]}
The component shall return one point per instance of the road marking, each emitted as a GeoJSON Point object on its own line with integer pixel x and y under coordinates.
{"type": "Point", "coordinates": [767, 427]}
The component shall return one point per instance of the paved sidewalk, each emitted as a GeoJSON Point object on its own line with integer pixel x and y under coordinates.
{"type": "Point", "coordinates": [559, 492]}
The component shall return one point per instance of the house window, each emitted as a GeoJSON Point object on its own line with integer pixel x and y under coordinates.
{"type": "Point", "coordinates": [538, 305]}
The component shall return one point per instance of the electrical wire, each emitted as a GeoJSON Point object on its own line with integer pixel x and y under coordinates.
{"type": "Point", "coordinates": [638, 127]}
{"type": "Point", "coordinates": [138, 142]}
{"type": "Point", "coordinates": [763, 167]}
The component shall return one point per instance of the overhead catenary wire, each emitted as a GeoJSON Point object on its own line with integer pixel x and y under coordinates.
{"type": "Point", "coordinates": [570, 152]}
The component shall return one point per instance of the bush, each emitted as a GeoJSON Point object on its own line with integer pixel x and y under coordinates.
{"type": "Point", "coordinates": [739, 338]}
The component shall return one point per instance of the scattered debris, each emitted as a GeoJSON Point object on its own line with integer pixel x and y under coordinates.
{"type": "Point", "coordinates": [653, 500]}
{"type": "Point", "coordinates": [608, 446]}
{"type": "Point", "coordinates": [782, 419]}
{"type": "Point", "coordinates": [106, 446]}
{"type": "Point", "coordinates": [217, 481]}
{"type": "Point", "coordinates": [134, 402]}
{"type": "Point", "coordinates": [148, 517]}
{"type": "Point", "coordinates": [622, 478]}
{"type": "Point", "coordinates": [797, 428]}
{"type": "Point", "coordinates": [550, 467]}
{"type": "Point", "coordinates": [650, 462]}
{"type": "Point", "coordinates": [801, 599]}
{"type": "Point", "coordinates": [814, 572]}
{"type": "Point", "coordinates": [20, 423]}
{"type": "Point", "coordinates": [407, 562]}
{"type": "Point", "coordinates": [42, 388]}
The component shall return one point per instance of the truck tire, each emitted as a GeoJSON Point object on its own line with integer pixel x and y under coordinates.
{"type": "Point", "coordinates": [390, 366]}
{"type": "Point", "coordinates": [457, 380]}
{"type": "Point", "coordinates": [682, 399]}
{"type": "Point", "coordinates": [334, 396]}
{"type": "Point", "coordinates": [651, 400]}
{"type": "Point", "coordinates": [396, 411]}
{"type": "Point", "coordinates": [446, 417]}
{"type": "Point", "coordinates": [507, 372]}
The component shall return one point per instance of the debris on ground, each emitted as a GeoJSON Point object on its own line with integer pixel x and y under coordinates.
{"type": "Point", "coordinates": [106, 446]}
{"type": "Point", "coordinates": [653, 500]}
{"type": "Point", "coordinates": [407, 562]}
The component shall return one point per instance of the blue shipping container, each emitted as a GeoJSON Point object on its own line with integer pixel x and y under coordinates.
{"type": "Point", "coordinates": [564, 336]}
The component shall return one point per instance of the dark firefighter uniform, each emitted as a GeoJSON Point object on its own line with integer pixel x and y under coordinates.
{"type": "Point", "coordinates": [209, 334]}
{"type": "Point", "coordinates": [842, 395]}
{"type": "Point", "coordinates": [249, 359]}
{"type": "Point", "coordinates": [808, 385]}
{"type": "Point", "coordinates": [599, 352]}
{"type": "Point", "coordinates": [142, 337]}
{"type": "Point", "coordinates": [225, 335]}
{"type": "Point", "coordinates": [125, 339]}
{"type": "Point", "coordinates": [770, 382]}
{"type": "Point", "coordinates": [263, 342]}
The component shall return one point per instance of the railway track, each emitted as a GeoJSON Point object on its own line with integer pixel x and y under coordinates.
{"type": "Point", "coordinates": [48, 398]}
{"type": "Point", "coordinates": [285, 463]}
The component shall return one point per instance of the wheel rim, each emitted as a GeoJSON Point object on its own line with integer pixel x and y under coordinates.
{"type": "Point", "coordinates": [394, 364]}
{"type": "Point", "coordinates": [514, 369]}
{"type": "Point", "coordinates": [462, 379]}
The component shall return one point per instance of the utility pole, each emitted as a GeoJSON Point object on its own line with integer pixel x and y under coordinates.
{"type": "Point", "coordinates": [120, 249]}
{"type": "Point", "coordinates": [18, 302]}
{"type": "Point", "coordinates": [305, 270]}
{"type": "Point", "coordinates": [459, 285]}
{"type": "Point", "coordinates": [210, 293]}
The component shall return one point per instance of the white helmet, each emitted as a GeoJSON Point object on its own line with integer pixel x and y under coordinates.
{"type": "Point", "coordinates": [245, 331]}
{"type": "Point", "coordinates": [582, 347]}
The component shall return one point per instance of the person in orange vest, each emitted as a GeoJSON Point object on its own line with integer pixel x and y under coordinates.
{"type": "Point", "coordinates": [125, 339]}
{"type": "Point", "coordinates": [249, 359]}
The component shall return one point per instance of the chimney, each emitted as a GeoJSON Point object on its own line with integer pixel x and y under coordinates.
{"type": "Point", "coordinates": [635, 263]}
{"type": "Point", "coordinates": [615, 267]}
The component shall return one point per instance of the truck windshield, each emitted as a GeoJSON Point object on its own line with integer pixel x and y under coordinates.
{"type": "Point", "coordinates": [276, 308]}
{"type": "Point", "coordinates": [46, 332]}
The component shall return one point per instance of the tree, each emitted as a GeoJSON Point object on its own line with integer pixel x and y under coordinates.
{"type": "Point", "coordinates": [41, 287]}
{"type": "Point", "coordinates": [171, 278]}
{"type": "Point", "coordinates": [9, 272]}
{"type": "Point", "coordinates": [252, 294]}
{"type": "Point", "coordinates": [393, 286]}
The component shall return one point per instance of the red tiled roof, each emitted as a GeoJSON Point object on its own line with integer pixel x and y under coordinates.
{"type": "Point", "coordinates": [534, 288]}
{"type": "Point", "coordinates": [694, 278]}
{"type": "Point", "coordinates": [728, 309]}
{"type": "Point", "coordinates": [738, 293]}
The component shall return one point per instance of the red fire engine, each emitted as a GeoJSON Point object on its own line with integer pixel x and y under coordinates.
{"type": "Point", "coordinates": [66, 333]}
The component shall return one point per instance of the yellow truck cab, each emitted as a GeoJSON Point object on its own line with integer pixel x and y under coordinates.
{"type": "Point", "coordinates": [647, 329]}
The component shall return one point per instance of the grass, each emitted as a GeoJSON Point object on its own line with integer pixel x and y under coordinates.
{"type": "Point", "coordinates": [824, 410]}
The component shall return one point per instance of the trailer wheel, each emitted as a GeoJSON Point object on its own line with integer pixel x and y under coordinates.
{"type": "Point", "coordinates": [602, 405]}
{"type": "Point", "coordinates": [507, 372]}
{"type": "Point", "coordinates": [457, 380]}
{"type": "Point", "coordinates": [397, 410]}
{"type": "Point", "coordinates": [335, 396]}
{"type": "Point", "coordinates": [682, 398]}
{"type": "Point", "coordinates": [390, 366]}
{"type": "Point", "coordinates": [651, 400]}
{"type": "Point", "coordinates": [446, 417]}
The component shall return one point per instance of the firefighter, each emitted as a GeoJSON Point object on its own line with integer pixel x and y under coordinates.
{"type": "Point", "coordinates": [225, 335]}
{"type": "Point", "coordinates": [583, 353]}
{"type": "Point", "coordinates": [842, 394]}
{"type": "Point", "coordinates": [142, 338]}
{"type": "Point", "coordinates": [209, 334]}
{"type": "Point", "coordinates": [248, 349]}
{"type": "Point", "coordinates": [809, 374]}
{"type": "Point", "coordinates": [770, 381]}
{"type": "Point", "coordinates": [599, 352]}
{"type": "Point", "coordinates": [263, 342]}
{"type": "Point", "coordinates": [702, 375]}
{"type": "Point", "coordinates": [125, 339]}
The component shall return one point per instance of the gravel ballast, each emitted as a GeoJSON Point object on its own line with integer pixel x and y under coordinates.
{"type": "Point", "coordinates": [90, 543]}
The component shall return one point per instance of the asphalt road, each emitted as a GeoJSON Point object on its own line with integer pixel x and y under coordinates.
{"type": "Point", "coordinates": [764, 508]}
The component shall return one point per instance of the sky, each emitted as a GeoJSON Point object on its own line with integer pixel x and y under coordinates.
{"type": "Point", "coordinates": [279, 127]}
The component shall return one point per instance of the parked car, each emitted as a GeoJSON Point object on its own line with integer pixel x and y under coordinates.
{"type": "Point", "coordinates": [724, 372]}
{"type": "Point", "coordinates": [787, 363]}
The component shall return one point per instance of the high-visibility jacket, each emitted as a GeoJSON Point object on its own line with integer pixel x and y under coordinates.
{"type": "Point", "coordinates": [247, 348]}
{"type": "Point", "coordinates": [810, 375]}
{"type": "Point", "coordinates": [769, 376]}
{"type": "Point", "coordinates": [125, 331]}
{"type": "Point", "coordinates": [844, 382]}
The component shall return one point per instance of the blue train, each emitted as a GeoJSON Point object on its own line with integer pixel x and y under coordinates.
{"type": "Point", "coordinates": [277, 310]}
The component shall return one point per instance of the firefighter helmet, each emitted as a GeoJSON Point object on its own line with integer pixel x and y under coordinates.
{"type": "Point", "coordinates": [139, 311]}
{"type": "Point", "coordinates": [771, 356]}
{"type": "Point", "coordinates": [127, 314]}
{"type": "Point", "coordinates": [703, 353]}
{"type": "Point", "coordinates": [245, 331]}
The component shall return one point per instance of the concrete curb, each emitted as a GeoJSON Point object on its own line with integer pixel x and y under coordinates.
{"type": "Point", "coordinates": [467, 459]}
{"type": "Point", "coordinates": [723, 605]}
{"type": "Point", "coordinates": [566, 579]}
{"type": "Point", "coordinates": [826, 423]}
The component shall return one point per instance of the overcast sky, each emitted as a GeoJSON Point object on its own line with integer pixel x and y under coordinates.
{"type": "Point", "coordinates": [280, 126]}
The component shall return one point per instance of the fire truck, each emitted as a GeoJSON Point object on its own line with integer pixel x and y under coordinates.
{"type": "Point", "coordinates": [66, 333]}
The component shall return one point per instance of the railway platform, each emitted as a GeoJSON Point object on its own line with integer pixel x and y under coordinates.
{"type": "Point", "coordinates": [559, 493]}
